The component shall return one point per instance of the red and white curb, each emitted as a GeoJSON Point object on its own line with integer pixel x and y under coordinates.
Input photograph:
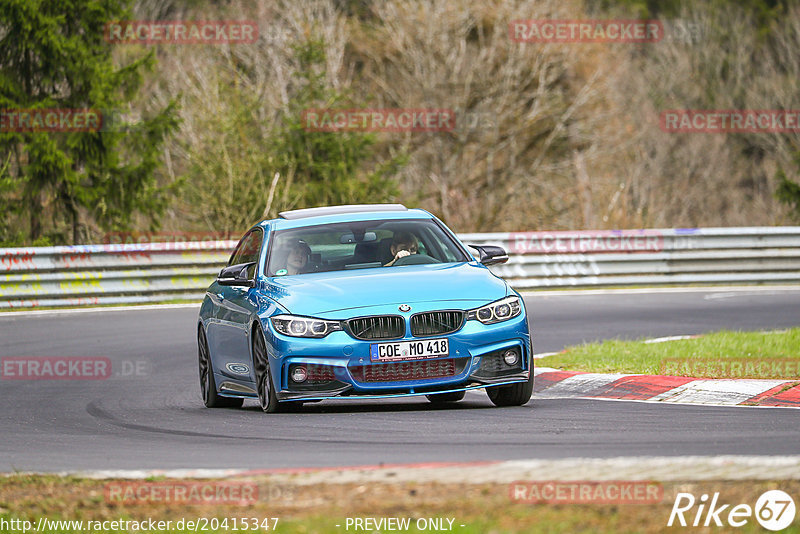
{"type": "Point", "coordinates": [554, 383]}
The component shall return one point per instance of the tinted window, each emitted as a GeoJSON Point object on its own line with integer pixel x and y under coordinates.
{"type": "Point", "coordinates": [360, 245]}
{"type": "Point", "coordinates": [248, 250]}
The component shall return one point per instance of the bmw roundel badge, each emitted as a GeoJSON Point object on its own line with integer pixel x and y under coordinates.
{"type": "Point", "coordinates": [238, 368]}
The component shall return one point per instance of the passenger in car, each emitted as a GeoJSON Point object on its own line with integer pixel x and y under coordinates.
{"type": "Point", "coordinates": [403, 244]}
{"type": "Point", "coordinates": [297, 260]}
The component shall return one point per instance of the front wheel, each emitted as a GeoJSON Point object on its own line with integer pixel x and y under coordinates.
{"type": "Point", "coordinates": [513, 395]}
{"type": "Point", "coordinates": [208, 386]}
{"type": "Point", "coordinates": [264, 385]}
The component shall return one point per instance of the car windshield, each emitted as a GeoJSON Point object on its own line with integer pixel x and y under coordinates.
{"type": "Point", "coordinates": [360, 245]}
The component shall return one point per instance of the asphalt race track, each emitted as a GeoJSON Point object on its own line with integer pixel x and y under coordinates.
{"type": "Point", "coordinates": [149, 415]}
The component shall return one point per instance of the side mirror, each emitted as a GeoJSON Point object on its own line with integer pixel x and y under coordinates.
{"type": "Point", "coordinates": [490, 255]}
{"type": "Point", "coordinates": [236, 275]}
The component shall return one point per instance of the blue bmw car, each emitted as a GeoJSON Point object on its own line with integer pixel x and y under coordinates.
{"type": "Point", "coordinates": [364, 301]}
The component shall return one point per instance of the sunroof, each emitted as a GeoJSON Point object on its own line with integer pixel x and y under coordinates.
{"type": "Point", "coordinates": [336, 210]}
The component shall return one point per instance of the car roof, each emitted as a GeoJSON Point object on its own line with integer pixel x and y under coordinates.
{"type": "Point", "coordinates": [335, 210]}
{"type": "Point", "coordinates": [347, 213]}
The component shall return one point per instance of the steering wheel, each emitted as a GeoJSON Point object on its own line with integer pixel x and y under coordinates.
{"type": "Point", "coordinates": [415, 259]}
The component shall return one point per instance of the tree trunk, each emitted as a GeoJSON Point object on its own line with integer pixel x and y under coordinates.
{"type": "Point", "coordinates": [36, 212]}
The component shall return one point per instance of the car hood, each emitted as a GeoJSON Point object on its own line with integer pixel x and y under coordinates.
{"type": "Point", "coordinates": [323, 293]}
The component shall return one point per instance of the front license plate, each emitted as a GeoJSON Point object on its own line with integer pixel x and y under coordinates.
{"type": "Point", "coordinates": [409, 350]}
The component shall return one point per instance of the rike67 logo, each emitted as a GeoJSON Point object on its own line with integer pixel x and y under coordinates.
{"type": "Point", "coordinates": [774, 510]}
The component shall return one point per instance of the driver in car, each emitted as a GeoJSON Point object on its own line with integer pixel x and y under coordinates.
{"type": "Point", "coordinates": [297, 261]}
{"type": "Point", "coordinates": [403, 244]}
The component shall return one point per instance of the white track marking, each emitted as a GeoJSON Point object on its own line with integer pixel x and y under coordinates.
{"type": "Point", "coordinates": [143, 307]}
{"type": "Point", "coordinates": [718, 391]}
{"type": "Point", "coordinates": [661, 469]}
{"type": "Point", "coordinates": [668, 338]}
{"type": "Point", "coordinates": [645, 290]}
{"type": "Point", "coordinates": [579, 385]}
{"type": "Point", "coordinates": [682, 405]}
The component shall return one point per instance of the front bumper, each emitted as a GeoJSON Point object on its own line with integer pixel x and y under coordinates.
{"type": "Point", "coordinates": [339, 366]}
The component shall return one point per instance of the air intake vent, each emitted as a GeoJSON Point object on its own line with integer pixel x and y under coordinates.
{"type": "Point", "coordinates": [406, 371]}
{"type": "Point", "coordinates": [377, 327]}
{"type": "Point", "coordinates": [436, 323]}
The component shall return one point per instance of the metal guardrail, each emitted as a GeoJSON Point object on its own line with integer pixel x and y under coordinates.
{"type": "Point", "coordinates": [109, 274]}
{"type": "Point", "coordinates": [648, 257]}
{"type": "Point", "coordinates": [150, 272]}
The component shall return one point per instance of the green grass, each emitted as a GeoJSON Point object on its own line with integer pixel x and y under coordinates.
{"type": "Point", "coordinates": [719, 355]}
{"type": "Point", "coordinates": [318, 508]}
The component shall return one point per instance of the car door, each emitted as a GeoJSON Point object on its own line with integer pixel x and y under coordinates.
{"type": "Point", "coordinates": [236, 305]}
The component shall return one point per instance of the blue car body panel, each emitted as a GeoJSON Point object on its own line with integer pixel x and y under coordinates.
{"type": "Point", "coordinates": [336, 294]}
{"type": "Point", "coordinates": [228, 316]}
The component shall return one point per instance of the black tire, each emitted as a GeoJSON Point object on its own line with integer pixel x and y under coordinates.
{"type": "Point", "coordinates": [513, 395]}
{"type": "Point", "coordinates": [266, 392]}
{"type": "Point", "coordinates": [441, 398]}
{"type": "Point", "coordinates": [208, 386]}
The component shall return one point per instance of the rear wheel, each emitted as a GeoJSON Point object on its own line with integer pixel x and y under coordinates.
{"type": "Point", "coordinates": [264, 385]}
{"type": "Point", "coordinates": [208, 386]}
{"type": "Point", "coordinates": [514, 395]}
{"type": "Point", "coordinates": [441, 398]}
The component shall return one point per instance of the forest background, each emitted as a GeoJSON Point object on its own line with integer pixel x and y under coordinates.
{"type": "Point", "coordinates": [207, 139]}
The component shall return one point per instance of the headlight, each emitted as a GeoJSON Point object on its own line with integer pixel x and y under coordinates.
{"type": "Point", "coordinates": [497, 311]}
{"type": "Point", "coordinates": [292, 325]}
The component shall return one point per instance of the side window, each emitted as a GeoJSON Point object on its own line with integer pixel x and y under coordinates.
{"type": "Point", "coordinates": [442, 249]}
{"type": "Point", "coordinates": [248, 250]}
